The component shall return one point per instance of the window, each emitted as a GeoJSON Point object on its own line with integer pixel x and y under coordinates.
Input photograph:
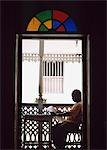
{"type": "Point", "coordinates": [53, 77]}
{"type": "Point", "coordinates": [52, 20]}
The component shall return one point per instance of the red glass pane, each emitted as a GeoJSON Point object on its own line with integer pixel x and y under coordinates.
{"type": "Point", "coordinates": [58, 15]}
{"type": "Point", "coordinates": [61, 28]}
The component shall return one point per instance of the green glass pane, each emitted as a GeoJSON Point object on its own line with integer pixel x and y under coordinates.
{"type": "Point", "coordinates": [44, 15]}
{"type": "Point", "coordinates": [43, 28]}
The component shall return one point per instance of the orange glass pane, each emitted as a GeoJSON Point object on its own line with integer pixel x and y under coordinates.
{"type": "Point", "coordinates": [33, 24]}
{"type": "Point", "coordinates": [48, 24]}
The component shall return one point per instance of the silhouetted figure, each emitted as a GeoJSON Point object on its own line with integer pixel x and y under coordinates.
{"type": "Point", "coordinates": [60, 130]}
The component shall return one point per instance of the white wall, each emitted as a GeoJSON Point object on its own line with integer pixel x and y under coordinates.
{"type": "Point", "coordinates": [72, 78]}
{"type": "Point", "coordinates": [30, 81]}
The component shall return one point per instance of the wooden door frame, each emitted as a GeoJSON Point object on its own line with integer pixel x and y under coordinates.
{"type": "Point", "coordinates": [86, 81]}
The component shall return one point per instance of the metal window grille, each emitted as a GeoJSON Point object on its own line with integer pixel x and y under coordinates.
{"type": "Point", "coordinates": [53, 76]}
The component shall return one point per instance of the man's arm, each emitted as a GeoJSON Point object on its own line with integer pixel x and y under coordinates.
{"type": "Point", "coordinates": [76, 108]}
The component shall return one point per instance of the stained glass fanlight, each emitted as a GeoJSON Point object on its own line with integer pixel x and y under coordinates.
{"type": "Point", "coordinates": [52, 20]}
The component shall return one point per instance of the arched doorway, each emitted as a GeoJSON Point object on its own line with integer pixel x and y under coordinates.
{"type": "Point", "coordinates": [58, 67]}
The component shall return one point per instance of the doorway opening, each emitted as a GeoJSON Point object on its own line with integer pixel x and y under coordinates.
{"type": "Point", "coordinates": [50, 67]}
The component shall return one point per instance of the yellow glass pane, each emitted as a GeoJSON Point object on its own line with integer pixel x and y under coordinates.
{"type": "Point", "coordinates": [48, 24]}
{"type": "Point", "coordinates": [33, 24]}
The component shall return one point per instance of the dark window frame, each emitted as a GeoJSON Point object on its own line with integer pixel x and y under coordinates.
{"type": "Point", "coordinates": [86, 81]}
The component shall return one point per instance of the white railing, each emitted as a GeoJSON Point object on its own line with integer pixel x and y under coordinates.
{"type": "Point", "coordinates": [53, 84]}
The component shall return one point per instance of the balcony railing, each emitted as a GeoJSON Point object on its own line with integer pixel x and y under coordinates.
{"type": "Point", "coordinates": [30, 132]}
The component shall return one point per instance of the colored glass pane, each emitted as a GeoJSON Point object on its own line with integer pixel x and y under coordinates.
{"type": "Point", "coordinates": [58, 15]}
{"type": "Point", "coordinates": [43, 28]}
{"type": "Point", "coordinates": [61, 28]}
{"type": "Point", "coordinates": [52, 21]}
{"type": "Point", "coordinates": [48, 24]}
{"type": "Point", "coordinates": [69, 25]}
{"type": "Point", "coordinates": [45, 15]}
{"type": "Point", "coordinates": [33, 24]}
{"type": "Point", "coordinates": [55, 24]}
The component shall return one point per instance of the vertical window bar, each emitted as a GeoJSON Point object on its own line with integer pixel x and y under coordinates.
{"type": "Point", "coordinates": [56, 68]}
{"type": "Point", "coordinates": [59, 68]}
{"type": "Point", "coordinates": [55, 77]}
{"type": "Point", "coordinates": [46, 76]}
{"type": "Point", "coordinates": [45, 68]}
{"type": "Point", "coordinates": [51, 68]}
{"type": "Point", "coordinates": [49, 75]}
{"type": "Point", "coordinates": [62, 74]}
{"type": "Point", "coordinates": [43, 74]}
{"type": "Point", "coordinates": [48, 68]}
{"type": "Point", "coordinates": [62, 68]}
{"type": "Point", "coordinates": [60, 77]}
{"type": "Point", "coordinates": [52, 77]}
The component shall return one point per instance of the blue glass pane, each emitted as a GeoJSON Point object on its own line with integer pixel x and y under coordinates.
{"type": "Point", "coordinates": [55, 24]}
{"type": "Point", "coordinates": [70, 25]}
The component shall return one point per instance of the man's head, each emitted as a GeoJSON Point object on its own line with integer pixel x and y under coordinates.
{"type": "Point", "coordinates": [76, 95]}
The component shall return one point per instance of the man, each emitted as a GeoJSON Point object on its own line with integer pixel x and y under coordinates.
{"type": "Point", "coordinates": [59, 131]}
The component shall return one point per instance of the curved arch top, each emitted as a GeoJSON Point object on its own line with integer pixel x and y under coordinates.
{"type": "Point", "coordinates": [52, 20]}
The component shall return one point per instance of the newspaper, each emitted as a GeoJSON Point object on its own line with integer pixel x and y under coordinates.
{"type": "Point", "coordinates": [51, 109]}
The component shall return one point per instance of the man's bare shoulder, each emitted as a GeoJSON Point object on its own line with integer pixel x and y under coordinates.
{"type": "Point", "coordinates": [77, 105]}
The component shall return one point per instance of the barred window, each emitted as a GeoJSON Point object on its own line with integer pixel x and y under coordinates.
{"type": "Point", "coordinates": [52, 68]}
{"type": "Point", "coordinates": [53, 77]}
